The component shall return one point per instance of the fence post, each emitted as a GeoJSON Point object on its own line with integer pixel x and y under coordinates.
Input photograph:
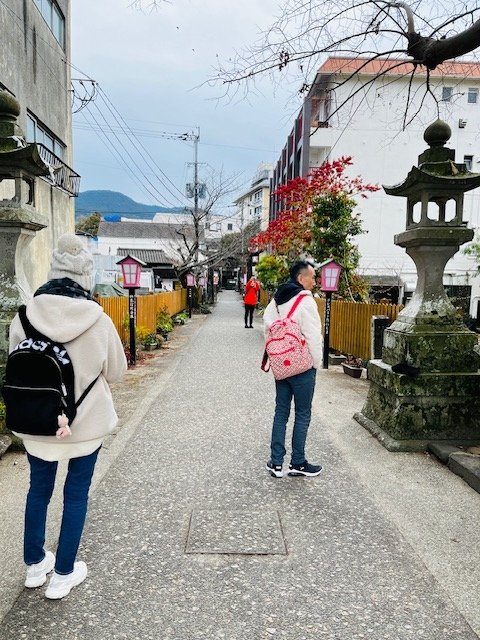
{"type": "Point", "coordinates": [378, 326]}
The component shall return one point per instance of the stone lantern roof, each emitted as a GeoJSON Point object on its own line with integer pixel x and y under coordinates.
{"type": "Point", "coordinates": [437, 172]}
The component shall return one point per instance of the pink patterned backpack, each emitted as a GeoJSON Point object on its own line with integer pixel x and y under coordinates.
{"type": "Point", "coordinates": [286, 350]}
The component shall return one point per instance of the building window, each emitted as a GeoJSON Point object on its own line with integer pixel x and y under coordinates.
{"type": "Point", "coordinates": [472, 96]}
{"type": "Point", "coordinates": [447, 94]}
{"type": "Point", "coordinates": [229, 226]}
{"type": "Point", "coordinates": [54, 18]}
{"type": "Point", "coordinates": [257, 196]}
{"type": "Point", "coordinates": [36, 132]}
{"type": "Point", "coordinates": [257, 212]}
{"type": "Point", "coordinates": [468, 160]}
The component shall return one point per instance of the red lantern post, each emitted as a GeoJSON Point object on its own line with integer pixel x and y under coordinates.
{"type": "Point", "coordinates": [190, 285]}
{"type": "Point", "coordinates": [131, 271]}
{"type": "Point", "coordinates": [330, 276]}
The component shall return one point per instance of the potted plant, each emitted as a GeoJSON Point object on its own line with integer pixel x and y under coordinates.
{"type": "Point", "coordinates": [150, 342]}
{"type": "Point", "coordinates": [164, 323]}
{"type": "Point", "coordinates": [144, 337]}
{"type": "Point", "coordinates": [353, 366]}
{"type": "Point", "coordinates": [180, 318]}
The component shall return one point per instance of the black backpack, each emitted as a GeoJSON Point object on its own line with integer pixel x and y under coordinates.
{"type": "Point", "coordinates": [39, 384]}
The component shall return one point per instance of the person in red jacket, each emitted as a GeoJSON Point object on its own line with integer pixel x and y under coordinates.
{"type": "Point", "coordinates": [250, 300]}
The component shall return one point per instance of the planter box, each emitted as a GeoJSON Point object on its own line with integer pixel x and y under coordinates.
{"type": "Point", "coordinates": [334, 359]}
{"type": "Point", "coordinates": [354, 372]}
{"type": "Point", "coordinates": [150, 346]}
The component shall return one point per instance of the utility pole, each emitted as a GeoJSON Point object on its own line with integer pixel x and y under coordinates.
{"type": "Point", "coordinates": [195, 187]}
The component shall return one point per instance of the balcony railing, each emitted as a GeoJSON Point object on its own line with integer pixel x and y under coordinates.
{"type": "Point", "coordinates": [61, 175]}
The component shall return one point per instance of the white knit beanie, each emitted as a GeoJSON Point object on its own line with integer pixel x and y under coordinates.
{"type": "Point", "coordinates": [72, 260]}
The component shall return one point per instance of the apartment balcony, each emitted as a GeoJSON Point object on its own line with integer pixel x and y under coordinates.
{"type": "Point", "coordinates": [61, 175]}
{"type": "Point", "coordinates": [323, 136]}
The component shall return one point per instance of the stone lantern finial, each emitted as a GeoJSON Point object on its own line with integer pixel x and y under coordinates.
{"type": "Point", "coordinates": [437, 134]}
{"type": "Point", "coordinates": [11, 136]}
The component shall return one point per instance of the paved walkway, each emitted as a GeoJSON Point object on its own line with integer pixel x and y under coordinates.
{"type": "Point", "coordinates": [189, 538]}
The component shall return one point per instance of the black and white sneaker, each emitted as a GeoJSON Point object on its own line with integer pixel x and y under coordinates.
{"type": "Point", "coordinates": [276, 470]}
{"type": "Point", "coordinates": [305, 469]}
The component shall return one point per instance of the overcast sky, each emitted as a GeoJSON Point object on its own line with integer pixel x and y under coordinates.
{"type": "Point", "coordinates": [151, 66]}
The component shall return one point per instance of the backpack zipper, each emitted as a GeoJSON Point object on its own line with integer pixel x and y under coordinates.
{"type": "Point", "coordinates": [55, 362]}
{"type": "Point", "coordinates": [13, 386]}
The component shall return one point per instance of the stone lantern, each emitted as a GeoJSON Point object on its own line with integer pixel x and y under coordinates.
{"type": "Point", "coordinates": [20, 164]}
{"type": "Point", "coordinates": [426, 386]}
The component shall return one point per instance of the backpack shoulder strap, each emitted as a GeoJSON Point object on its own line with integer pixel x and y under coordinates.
{"type": "Point", "coordinates": [28, 327]}
{"type": "Point", "coordinates": [265, 366]}
{"type": "Point", "coordinates": [300, 297]}
{"type": "Point", "coordinates": [85, 393]}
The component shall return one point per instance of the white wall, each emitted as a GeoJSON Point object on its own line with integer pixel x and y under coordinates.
{"type": "Point", "coordinates": [369, 129]}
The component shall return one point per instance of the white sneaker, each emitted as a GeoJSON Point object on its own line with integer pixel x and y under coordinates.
{"type": "Point", "coordinates": [37, 573]}
{"type": "Point", "coordinates": [60, 586]}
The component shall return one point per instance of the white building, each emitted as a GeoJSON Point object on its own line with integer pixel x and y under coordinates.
{"type": "Point", "coordinates": [368, 127]}
{"type": "Point", "coordinates": [212, 225]}
{"type": "Point", "coordinates": [253, 204]}
{"type": "Point", "coordinates": [159, 245]}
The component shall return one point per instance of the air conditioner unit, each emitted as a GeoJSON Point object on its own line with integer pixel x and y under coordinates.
{"type": "Point", "coordinates": [462, 123]}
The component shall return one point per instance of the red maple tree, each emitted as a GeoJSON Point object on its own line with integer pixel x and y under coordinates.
{"type": "Point", "coordinates": [292, 231]}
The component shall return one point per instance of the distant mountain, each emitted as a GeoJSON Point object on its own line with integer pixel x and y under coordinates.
{"type": "Point", "coordinates": [113, 202]}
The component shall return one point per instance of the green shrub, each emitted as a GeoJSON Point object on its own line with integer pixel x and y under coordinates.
{"type": "Point", "coordinates": [142, 334]}
{"type": "Point", "coordinates": [164, 322]}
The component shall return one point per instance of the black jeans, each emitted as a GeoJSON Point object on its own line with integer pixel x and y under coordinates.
{"type": "Point", "coordinates": [249, 309]}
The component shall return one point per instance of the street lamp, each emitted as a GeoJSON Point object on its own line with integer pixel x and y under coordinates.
{"type": "Point", "coordinates": [330, 275]}
{"type": "Point", "coordinates": [131, 271]}
{"type": "Point", "coordinates": [190, 285]}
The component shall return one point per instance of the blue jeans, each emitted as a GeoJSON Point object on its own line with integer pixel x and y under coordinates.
{"type": "Point", "coordinates": [300, 388]}
{"type": "Point", "coordinates": [75, 502]}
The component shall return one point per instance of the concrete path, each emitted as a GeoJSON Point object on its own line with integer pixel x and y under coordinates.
{"type": "Point", "coordinates": [189, 538]}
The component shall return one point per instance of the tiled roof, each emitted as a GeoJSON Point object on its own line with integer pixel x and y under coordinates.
{"type": "Point", "coordinates": [371, 67]}
{"type": "Point", "coordinates": [136, 229]}
{"type": "Point", "coordinates": [150, 256]}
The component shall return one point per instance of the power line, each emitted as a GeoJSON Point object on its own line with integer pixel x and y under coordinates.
{"type": "Point", "coordinates": [84, 102]}
{"type": "Point", "coordinates": [113, 110]}
{"type": "Point", "coordinates": [129, 156]}
{"type": "Point", "coordinates": [151, 133]}
{"type": "Point", "coordinates": [123, 128]}
{"type": "Point", "coordinates": [118, 156]}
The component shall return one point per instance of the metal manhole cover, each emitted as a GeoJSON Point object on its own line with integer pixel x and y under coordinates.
{"type": "Point", "coordinates": [236, 532]}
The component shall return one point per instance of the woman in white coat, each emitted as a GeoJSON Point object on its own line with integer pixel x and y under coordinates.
{"type": "Point", "coordinates": [64, 311]}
